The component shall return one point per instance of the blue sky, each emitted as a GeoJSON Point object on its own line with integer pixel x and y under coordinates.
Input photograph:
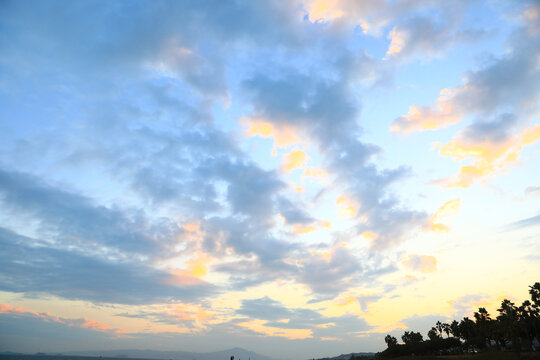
{"type": "Point", "coordinates": [299, 178]}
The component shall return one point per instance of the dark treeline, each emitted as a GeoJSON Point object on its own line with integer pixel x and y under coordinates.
{"type": "Point", "coordinates": [516, 328]}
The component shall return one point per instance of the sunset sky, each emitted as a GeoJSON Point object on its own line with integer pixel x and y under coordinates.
{"type": "Point", "coordinates": [298, 178]}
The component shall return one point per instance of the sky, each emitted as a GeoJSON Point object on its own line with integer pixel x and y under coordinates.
{"type": "Point", "coordinates": [298, 178]}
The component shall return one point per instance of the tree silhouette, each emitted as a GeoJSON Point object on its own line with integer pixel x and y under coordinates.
{"type": "Point", "coordinates": [411, 337]}
{"type": "Point", "coordinates": [518, 326]}
{"type": "Point", "coordinates": [439, 327]}
{"type": "Point", "coordinates": [482, 321]}
{"type": "Point", "coordinates": [433, 334]}
{"type": "Point", "coordinates": [454, 329]}
{"type": "Point", "coordinates": [508, 320]}
{"type": "Point", "coordinates": [390, 341]}
{"type": "Point", "coordinates": [446, 329]}
{"type": "Point", "coordinates": [534, 290]}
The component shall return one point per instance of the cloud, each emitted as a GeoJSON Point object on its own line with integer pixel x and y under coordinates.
{"type": "Point", "coordinates": [274, 319]}
{"type": "Point", "coordinates": [426, 118]}
{"type": "Point", "coordinates": [531, 15]}
{"type": "Point", "coordinates": [75, 220]}
{"type": "Point", "coordinates": [206, 76]}
{"type": "Point", "coordinates": [508, 82]}
{"type": "Point", "coordinates": [373, 16]}
{"type": "Point", "coordinates": [450, 207]}
{"type": "Point", "coordinates": [346, 208]}
{"type": "Point", "coordinates": [264, 308]}
{"type": "Point", "coordinates": [466, 304]}
{"type": "Point", "coordinates": [45, 316]}
{"type": "Point", "coordinates": [429, 35]}
{"type": "Point", "coordinates": [302, 101]}
{"type": "Point", "coordinates": [182, 318]}
{"type": "Point", "coordinates": [492, 146]}
{"type": "Point", "coordinates": [424, 323]}
{"type": "Point", "coordinates": [296, 159]}
{"type": "Point", "coordinates": [421, 263]}
{"type": "Point", "coordinates": [283, 136]}
{"type": "Point", "coordinates": [250, 189]}
{"type": "Point", "coordinates": [294, 214]}
{"type": "Point", "coordinates": [532, 191]}
{"type": "Point", "coordinates": [220, 233]}
{"type": "Point", "coordinates": [181, 28]}
{"type": "Point", "coordinates": [362, 300]}
{"type": "Point", "coordinates": [30, 266]}
{"type": "Point", "coordinates": [271, 318]}
{"type": "Point", "coordinates": [182, 166]}
{"type": "Point", "coordinates": [525, 223]}
{"type": "Point", "coordinates": [329, 272]}
{"type": "Point", "coordinates": [36, 334]}
{"type": "Point", "coordinates": [325, 112]}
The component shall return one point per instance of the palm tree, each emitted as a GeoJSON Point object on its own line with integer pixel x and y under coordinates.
{"type": "Point", "coordinates": [439, 327]}
{"type": "Point", "coordinates": [528, 319]}
{"type": "Point", "coordinates": [454, 328]}
{"type": "Point", "coordinates": [508, 320]}
{"type": "Point", "coordinates": [535, 293]}
{"type": "Point", "coordinates": [482, 320]}
{"type": "Point", "coordinates": [468, 331]}
{"type": "Point", "coordinates": [432, 334]}
{"type": "Point", "coordinates": [446, 329]}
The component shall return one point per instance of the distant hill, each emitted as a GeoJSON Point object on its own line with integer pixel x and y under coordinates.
{"type": "Point", "coordinates": [238, 353]}
{"type": "Point", "coordinates": [348, 356]}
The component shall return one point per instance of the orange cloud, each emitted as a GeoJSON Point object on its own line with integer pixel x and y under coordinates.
{"type": "Point", "coordinates": [397, 42]}
{"type": "Point", "coordinates": [324, 10]}
{"type": "Point", "coordinates": [488, 157]}
{"type": "Point", "coordinates": [326, 325]}
{"type": "Point", "coordinates": [182, 312]}
{"type": "Point", "coordinates": [370, 235]}
{"type": "Point", "coordinates": [191, 227]}
{"type": "Point", "coordinates": [315, 172]}
{"type": "Point", "coordinates": [284, 136]}
{"type": "Point", "coordinates": [194, 270]}
{"type": "Point", "coordinates": [325, 254]}
{"type": "Point", "coordinates": [421, 263]}
{"type": "Point", "coordinates": [346, 207]}
{"type": "Point", "coordinates": [347, 300]}
{"type": "Point", "coordinates": [300, 229]}
{"type": "Point", "coordinates": [451, 207]}
{"type": "Point", "coordinates": [371, 16]}
{"type": "Point", "coordinates": [296, 159]}
{"type": "Point", "coordinates": [82, 323]}
{"type": "Point", "coordinates": [94, 325]}
{"type": "Point", "coordinates": [444, 113]}
{"type": "Point", "coordinates": [8, 309]}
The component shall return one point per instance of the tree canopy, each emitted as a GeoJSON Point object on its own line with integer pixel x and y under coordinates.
{"type": "Point", "coordinates": [515, 327]}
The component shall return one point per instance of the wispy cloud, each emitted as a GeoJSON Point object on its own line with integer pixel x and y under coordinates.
{"type": "Point", "coordinates": [82, 322]}
{"type": "Point", "coordinates": [528, 222]}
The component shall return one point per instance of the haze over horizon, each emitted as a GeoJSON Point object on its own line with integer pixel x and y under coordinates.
{"type": "Point", "coordinates": [296, 178]}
